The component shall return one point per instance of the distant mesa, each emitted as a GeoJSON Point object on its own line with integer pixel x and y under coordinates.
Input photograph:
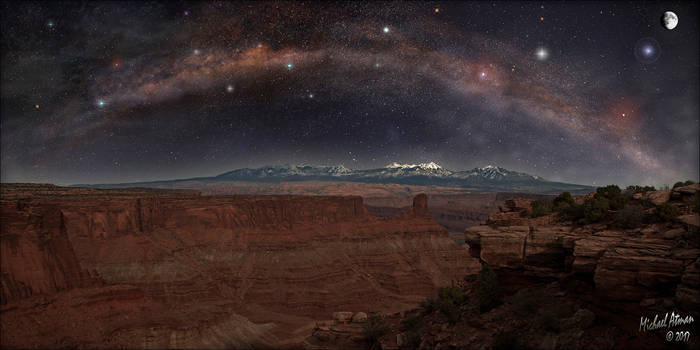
{"type": "Point", "coordinates": [490, 178]}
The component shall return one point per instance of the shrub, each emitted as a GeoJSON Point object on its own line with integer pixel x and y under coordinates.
{"type": "Point", "coordinates": [506, 341]}
{"type": "Point", "coordinates": [595, 209]}
{"type": "Point", "coordinates": [451, 294]}
{"type": "Point", "coordinates": [450, 299]}
{"type": "Point", "coordinates": [666, 212]}
{"type": "Point", "coordinates": [412, 324]}
{"type": "Point", "coordinates": [681, 183]}
{"type": "Point", "coordinates": [428, 305]}
{"type": "Point", "coordinates": [411, 328]}
{"type": "Point", "coordinates": [696, 201]}
{"type": "Point", "coordinates": [632, 189]}
{"type": "Point", "coordinates": [374, 329]}
{"type": "Point", "coordinates": [630, 217]}
{"type": "Point", "coordinates": [564, 200]}
{"type": "Point", "coordinates": [573, 213]}
{"type": "Point", "coordinates": [451, 311]}
{"type": "Point", "coordinates": [527, 302]}
{"type": "Point", "coordinates": [612, 193]}
{"type": "Point", "coordinates": [540, 208]}
{"type": "Point", "coordinates": [487, 289]}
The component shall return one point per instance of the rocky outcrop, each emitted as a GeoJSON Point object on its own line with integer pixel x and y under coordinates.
{"type": "Point", "coordinates": [156, 271]}
{"type": "Point", "coordinates": [654, 261]}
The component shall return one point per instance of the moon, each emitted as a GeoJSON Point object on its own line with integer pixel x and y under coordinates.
{"type": "Point", "coordinates": [669, 20]}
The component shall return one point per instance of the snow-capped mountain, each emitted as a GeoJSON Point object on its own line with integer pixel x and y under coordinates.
{"type": "Point", "coordinates": [489, 178]}
{"type": "Point", "coordinates": [419, 174]}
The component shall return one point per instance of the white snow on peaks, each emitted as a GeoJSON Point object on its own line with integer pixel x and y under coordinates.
{"type": "Point", "coordinates": [431, 165]}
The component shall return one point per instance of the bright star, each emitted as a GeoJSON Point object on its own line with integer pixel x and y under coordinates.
{"type": "Point", "coordinates": [385, 29]}
{"type": "Point", "coordinates": [101, 103]}
{"type": "Point", "coordinates": [542, 53]}
{"type": "Point", "coordinates": [229, 88]}
{"type": "Point", "coordinates": [290, 65]}
{"type": "Point", "coordinates": [311, 95]}
{"type": "Point", "coordinates": [196, 51]}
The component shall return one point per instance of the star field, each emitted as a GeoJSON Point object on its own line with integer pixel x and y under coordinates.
{"type": "Point", "coordinates": [591, 93]}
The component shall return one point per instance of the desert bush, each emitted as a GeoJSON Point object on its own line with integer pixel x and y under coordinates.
{"type": "Point", "coordinates": [411, 328]}
{"type": "Point", "coordinates": [429, 305]}
{"type": "Point", "coordinates": [613, 194]}
{"type": "Point", "coordinates": [450, 298]}
{"type": "Point", "coordinates": [681, 183]}
{"type": "Point", "coordinates": [451, 294]}
{"type": "Point", "coordinates": [572, 213]}
{"type": "Point", "coordinates": [630, 217]}
{"type": "Point", "coordinates": [666, 212]}
{"type": "Point", "coordinates": [507, 341]}
{"type": "Point", "coordinates": [540, 208]}
{"type": "Point", "coordinates": [632, 189]}
{"type": "Point", "coordinates": [450, 311]}
{"type": "Point", "coordinates": [487, 289]}
{"type": "Point", "coordinates": [564, 200]}
{"type": "Point", "coordinates": [374, 328]}
{"type": "Point", "coordinates": [525, 302]}
{"type": "Point", "coordinates": [696, 202]}
{"type": "Point", "coordinates": [595, 209]}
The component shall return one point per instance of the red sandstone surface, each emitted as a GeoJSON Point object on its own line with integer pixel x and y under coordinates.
{"type": "Point", "coordinates": [158, 269]}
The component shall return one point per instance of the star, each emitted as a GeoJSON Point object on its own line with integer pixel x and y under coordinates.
{"type": "Point", "coordinates": [385, 30]}
{"type": "Point", "coordinates": [290, 65]}
{"type": "Point", "coordinates": [50, 24]}
{"type": "Point", "coordinates": [101, 103]}
{"type": "Point", "coordinates": [196, 51]}
{"type": "Point", "coordinates": [437, 10]}
{"type": "Point", "coordinates": [186, 13]}
{"type": "Point", "coordinates": [36, 106]}
{"type": "Point", "coordinates": [542, 53]}
{"type": "Point", "coordinates": [229, 88]}
{"type": "Point", "coordinates": [311, 95]}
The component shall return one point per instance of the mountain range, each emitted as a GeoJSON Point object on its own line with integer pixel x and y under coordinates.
{"type": "Point", "coordinates": [488, 179]}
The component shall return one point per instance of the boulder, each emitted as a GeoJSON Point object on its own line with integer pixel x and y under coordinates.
{"type": "Point", "coordinates": [582, 319]}
{"type": "Point", "coordinates": [674, 233]}
{"type": "Point", "coordinates": [658, 197]}
{"type": "Point", "coordinates": [342, 316]}
{"type": "Point", "coordinates": [692, 220]}
{"type": "Point", "coordinates": [359, 317]}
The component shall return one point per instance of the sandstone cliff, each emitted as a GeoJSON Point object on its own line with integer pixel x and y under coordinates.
{"type": "Point", "coordinates": [134, 269]}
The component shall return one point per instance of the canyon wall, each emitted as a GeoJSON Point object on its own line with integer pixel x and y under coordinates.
{"type": "Point", "coordinates": [132, 269]}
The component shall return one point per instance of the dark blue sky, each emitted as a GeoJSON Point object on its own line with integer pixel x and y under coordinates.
{"type": "Point", "coordinates": [119, 91]}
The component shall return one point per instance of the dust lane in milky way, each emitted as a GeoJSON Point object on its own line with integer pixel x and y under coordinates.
{"type": "Point", "coordinates": [107, 92]}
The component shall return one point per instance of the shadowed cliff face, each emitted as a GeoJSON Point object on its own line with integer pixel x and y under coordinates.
{"type": "Point", "coordinates": [115, 269]}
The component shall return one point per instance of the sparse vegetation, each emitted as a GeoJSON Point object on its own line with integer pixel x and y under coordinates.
{"type": "Point", "coordinates": [630, 217]}
{"type": "Point", "coordinates": [429, 305]}
{"type": "Point", "coordinates": [563, 201]}
{"type": "Point", "coordinates": [487, 289]}
{"type": "Point", "coordinates": [374, 329]}
{"type": "Point", "coordinates": [633, 189]}
{"type": "Point", "coordinates": [681, 183]}
{"type": "Point", "coordinates": [450, 299]}
{"type": "Point", "coordinates": [595, 209]}
{"type": "Point", "coordinates": [541, 208]}
{"type": "Point", "coordinates": [507, 341]}
{"type": "Point", "coordinates": [411, 328]}
{"type": "Point", "coordinates": [666, 212]}
{"type": "Point", "coordinates": [613, 194]}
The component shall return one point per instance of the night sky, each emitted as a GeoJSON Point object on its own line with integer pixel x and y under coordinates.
{"type": "Point", "coordinates": [587, 92]}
